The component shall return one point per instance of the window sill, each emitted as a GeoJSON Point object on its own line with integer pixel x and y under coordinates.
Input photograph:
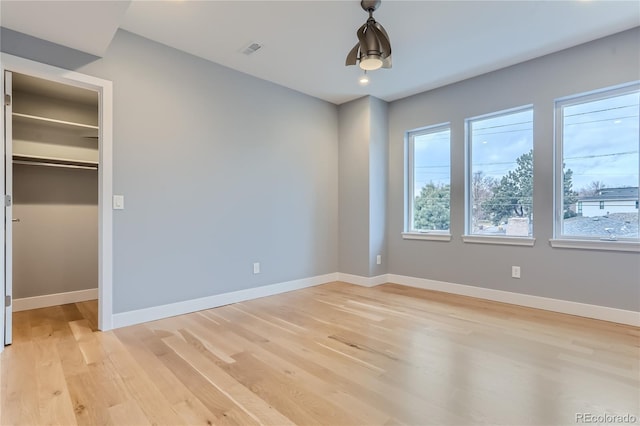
{"type": "Point", "coordinates": [596, 245]}
{"type": "Point", "coordinates": [507, 241]}
{"type": "Point", "coordinates": [431, 236]}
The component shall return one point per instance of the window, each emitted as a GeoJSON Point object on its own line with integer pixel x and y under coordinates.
{"type": "Point", "coordinates": [429, 180]}
{"type": "Point", "coordinates": [580, 208]}
{"type": "Point", "coordinates": [500, 173]}
{"type": "Point", "coordinates": [598, 165]}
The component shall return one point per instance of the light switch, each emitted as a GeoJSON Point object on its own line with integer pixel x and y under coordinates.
{"type": "Point", "coordinates": [118, 202]}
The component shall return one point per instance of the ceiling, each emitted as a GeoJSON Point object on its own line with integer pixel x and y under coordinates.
{"type": "Point", "coordinates": [306, 42]}
{"type": "Point", "coordinates": [69, 23]}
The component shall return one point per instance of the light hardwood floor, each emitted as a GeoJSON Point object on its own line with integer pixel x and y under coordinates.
{"type": "Point", "coordinates": [335, 354]}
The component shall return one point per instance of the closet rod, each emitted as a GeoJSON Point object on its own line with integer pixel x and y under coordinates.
{"type": "Point", "coordinates": [66, 166]}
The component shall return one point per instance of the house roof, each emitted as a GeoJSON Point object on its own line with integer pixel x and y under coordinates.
{"type": "Point", "coordinates": [618, 194]}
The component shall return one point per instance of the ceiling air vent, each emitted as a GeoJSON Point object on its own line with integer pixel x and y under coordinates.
{"type": "Point", "coordinates": [252, 48]}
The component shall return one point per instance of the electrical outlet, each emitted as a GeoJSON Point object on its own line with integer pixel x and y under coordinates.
{"type": "Point", "coordinates": [256, 268]}
{"type": "Point", "coordinates": [515, 272]}
{"type": "Point", "coordinates": [378, 260]}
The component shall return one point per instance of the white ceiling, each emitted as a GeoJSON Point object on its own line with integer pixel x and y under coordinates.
{"type": "Point", "coordinates": [88, 26]}
{"type": "Point", "coordinates": [305, 42]}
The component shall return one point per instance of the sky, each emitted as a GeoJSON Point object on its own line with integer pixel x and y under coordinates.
{"type": "Point", "coordinates": [497, 142]}
{"type": "Point", "coordinates": [432, 159]}
{"type": "Point", "coordinates": [600, 143]}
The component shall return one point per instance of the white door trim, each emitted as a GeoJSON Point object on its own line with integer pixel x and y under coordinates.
{"type": "Point", "coordinates": [105, 170]}
{"type": "Point", "coordinates": [8, 211]}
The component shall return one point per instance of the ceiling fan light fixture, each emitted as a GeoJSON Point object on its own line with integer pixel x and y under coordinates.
{"type": "Point", "coordinates": [364, 79]}
{"type": "Point", "coordinates": [370, 63]}
{"type": "Point", "coordinates": [373, 50]}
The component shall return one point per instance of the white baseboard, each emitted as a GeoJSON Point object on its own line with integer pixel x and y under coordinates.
{"type": "Point", "coordinates": [604, 313]}
{"type": "Point", "coordinates": [56, 299]}
{"type": "Point", "coordinates": [125, 319]}
{"type": "Point", "coordinates": [362, 281]}
{"type": "Point", "coordinates": [562, 306]}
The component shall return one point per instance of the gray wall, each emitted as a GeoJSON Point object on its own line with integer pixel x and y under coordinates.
{"type": "Point", "coordinates": [55, 244]}
{"type": "Point", "coordinates": [378, 175]}
{"type": "Point", "coordinates": [354, 187]}
{"type": "Point", "coordinates": [596, 277]}
{"type": "Point", "coordinates": [363, 180]}
{"type": "Point", "coordinates": [219, 170]}
{"type": "Point", "coordinates": [43, 51]}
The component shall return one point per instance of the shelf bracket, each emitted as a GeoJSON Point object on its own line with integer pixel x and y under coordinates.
{"type": "Point", "coordinates": [7, 99]}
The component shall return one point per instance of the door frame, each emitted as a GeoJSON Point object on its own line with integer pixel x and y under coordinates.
{"type": "Point", "coordinates": [105, 173]}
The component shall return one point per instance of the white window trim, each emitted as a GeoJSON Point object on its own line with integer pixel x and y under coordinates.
{"type": "Point", "coordinates": [468, 237]}
{"type": "Point", "coordinates": [430, 236]}
{"type": "Point", "coordinates": [580, 242]}
{"type": "Point", "coordinates": [566, 243]}
{"type": "Point", "coordinates": [499, 240]}
{"type": "Point", "coordinates": [410, 233]}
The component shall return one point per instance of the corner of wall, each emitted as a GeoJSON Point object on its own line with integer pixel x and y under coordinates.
{"type": "Point", "coordinates": [363, 171]}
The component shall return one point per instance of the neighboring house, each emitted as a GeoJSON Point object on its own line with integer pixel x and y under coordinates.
{"type": "Point", "coordinates": [609, 200]}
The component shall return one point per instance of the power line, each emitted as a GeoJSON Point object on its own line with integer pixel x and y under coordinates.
{"type": "Point", "coordinates": [601, 110]}
{"type": "Point", "coordinates": [614, 154]}
{"type": "Point", "coordinates": [604, 119]}
{"type": "Point", "coordinates": [493, 164]}
{"type": "Point", "coordinates": [601, 155]}
{"type": "Point", "coordinates": [504, 131]}
{"type": "Point", "coordinates": [500, 125]}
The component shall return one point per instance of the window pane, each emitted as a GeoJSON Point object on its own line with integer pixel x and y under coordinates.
{"type": "Point", "coordinates": [431, 180]}
{"type": "Point", "coordinates": [600, 146]}
{"type": "Point", "coordinates": [501, 187]}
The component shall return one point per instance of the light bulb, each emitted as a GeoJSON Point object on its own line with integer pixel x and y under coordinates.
{"type": "Point", "coordinates": [370, 63]}
{"type": "Point", "coordinates": [364, 79]}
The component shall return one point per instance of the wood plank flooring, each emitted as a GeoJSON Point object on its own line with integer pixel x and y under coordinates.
{"type": "Point", "coordinates": [335, 354]}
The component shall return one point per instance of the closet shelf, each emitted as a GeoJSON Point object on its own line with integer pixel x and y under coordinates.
{"type": "Point", "coordinates": [86, 130]}
{"type": "Point", "coordinates": [55, 162]}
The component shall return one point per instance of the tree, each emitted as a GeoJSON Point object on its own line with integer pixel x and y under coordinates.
{"type": "Point", "coordinates": [513, 195]}
{"type": "Point", "coordinates": [481, 189]}
{"type": "Point", "coordinates": [569, 195]}
{"type": "Point", "coordinates": [593, 188]}
{"type": "Point", "coordinates": [431, 207]}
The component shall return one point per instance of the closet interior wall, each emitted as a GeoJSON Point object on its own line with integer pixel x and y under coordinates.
{"type": "Point", "coordinates": [55, 188]}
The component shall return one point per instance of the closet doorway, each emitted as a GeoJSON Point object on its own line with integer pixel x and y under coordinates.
{"type": "Point", "coordinates": [54, 178]}
{"type": "Point", "coordinates": [57, 181]}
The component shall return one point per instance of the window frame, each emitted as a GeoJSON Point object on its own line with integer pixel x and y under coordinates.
{"type": "Point", "coordinates": [409, 232]}
{"type": "Point", "coordinates": [582, 241]}
{"type": "Point", "coordinates": [468, 236]}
